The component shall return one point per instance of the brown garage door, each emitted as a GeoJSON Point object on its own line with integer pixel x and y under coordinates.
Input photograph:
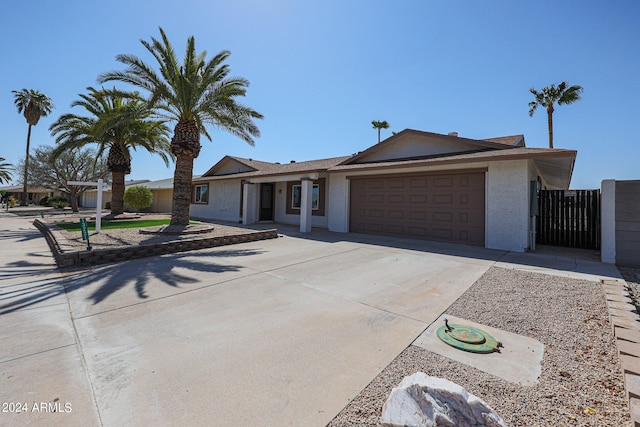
{"type": "Point", "coordinates": [448, 207]}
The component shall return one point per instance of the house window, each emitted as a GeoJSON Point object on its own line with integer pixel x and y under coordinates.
{"type": "Point", "coordinates": [201, 193]}
{"type": "Point", "coordinates": [296, 197]}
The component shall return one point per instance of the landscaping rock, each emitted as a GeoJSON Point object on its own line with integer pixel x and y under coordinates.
{"type": "Point", "coordinates": [421, 400]}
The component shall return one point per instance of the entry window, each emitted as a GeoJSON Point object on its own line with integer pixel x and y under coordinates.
{"type": "Point", "coordinates": [201, 193]}
{"type": "Point", "coordinates": [296, 197]}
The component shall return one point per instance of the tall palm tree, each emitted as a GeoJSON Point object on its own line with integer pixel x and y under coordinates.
{"type": "Point", "coordinates": [33, 105]}
{"type": "Point", "coordinates": [194, 93]}
{"type": "Point", "coordinates": [118, 121]}
{"type": "Point", "coordinates": [562, 94]}
{"type": "Point", "coordinates": [379, 125]}
{"type": "Point", "coordinates": [5, 175]}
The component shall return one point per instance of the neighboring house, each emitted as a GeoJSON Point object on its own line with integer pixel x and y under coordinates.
{"type": "Point", "coordinates": [162, 195]}
{"type": "Point", "coordinates": [34, 193]}
{"type": "Point", "coordinates": [415, 184]}
{"type": "Point", "coordinates": [89, 198]}
{"type": "Point", "coordinates": [162, 191]}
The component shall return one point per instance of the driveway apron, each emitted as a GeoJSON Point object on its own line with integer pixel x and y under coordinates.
{"type": "Point", "coordinates": [274, 332]}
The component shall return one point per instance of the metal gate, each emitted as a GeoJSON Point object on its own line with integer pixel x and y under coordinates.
{"type": "Point", "coordinates": [569, 218]}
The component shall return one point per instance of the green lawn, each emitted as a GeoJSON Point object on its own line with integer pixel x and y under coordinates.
{"type": "Point", "coordinates": [110, 225]}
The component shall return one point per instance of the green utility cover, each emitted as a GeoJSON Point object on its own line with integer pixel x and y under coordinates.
{"type": "Point", "coordinates": [468, 338]}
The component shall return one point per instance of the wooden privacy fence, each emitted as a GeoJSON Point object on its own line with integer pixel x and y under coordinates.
{"type": "Point", "coordinates": [569, 218]}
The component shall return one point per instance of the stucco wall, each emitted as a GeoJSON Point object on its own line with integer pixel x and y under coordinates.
{"type": "Point", "coordinates": [620, 222]}
{"type": "Point", "coordinates": [608, 221]}
{"type": "Point", "coordinates": [508, 205]}
{"type": "Point", "coordinates": [223, 204]}
{"type": "Point", "coordinates": [628, 223]}
{"type": "Point", "coordinates": [338, 203]}
{"type": "Point", "coordinates": [162, 200]}
{"type": "Point", "coordinates": [281, 208]}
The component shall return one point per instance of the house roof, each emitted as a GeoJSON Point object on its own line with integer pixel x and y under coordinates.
{"type": "Point", "coordinates": [160, 184]}
{"type": "Point", "coordinates": [166, 183]}
{"type": "Point", "coordinates": [499, 143]}
{"type": "Point", "coordinates": [269, 169]}
{"type": "Point", "coordinates": [30, 189]}
{"type": "Point", "coordinates": [511, 141]}
{"type": "Point", "coordinates": [555, 163]}
{"type": "Point", "coordinates": [254, 165]}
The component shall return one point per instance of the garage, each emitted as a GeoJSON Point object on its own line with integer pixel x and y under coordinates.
{"type": "Point", "coordinates": [433, 206]}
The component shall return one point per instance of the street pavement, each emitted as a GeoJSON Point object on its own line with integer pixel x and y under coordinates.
{"type": "Point", "coordinates": [274, 332]}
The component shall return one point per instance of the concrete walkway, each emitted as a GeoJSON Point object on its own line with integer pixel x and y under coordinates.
{"type": "Point", "coordinates": [277, 332]}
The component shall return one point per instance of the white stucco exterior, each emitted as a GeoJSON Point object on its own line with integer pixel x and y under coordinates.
{"type": "Point", "coordinates": [508, 205]}
{"type": "Point", "coordinates": [338, 203]}
{"type": "Point", "coordinates": [508, 194]}
{"type": "Point", "coordinates": [223, 201]}
{"type": "Point", "coordinates": [281, 215]}
{"type": "Point", "coordinates": [608, 221]}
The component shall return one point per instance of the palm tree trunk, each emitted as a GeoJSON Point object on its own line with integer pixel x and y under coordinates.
{"type": "Point", "coordinates": [182, 190]}
{"type": "Point", "coordinates": [550, 122]}
{"type": "Point", "coordinates": [26, 169]}
{"type": "Point", "coordinates": [378, 135]}
{"type": "Point", "coordinates": [185, 146]}
{"type": "Point", "coordinates": [117, 192]}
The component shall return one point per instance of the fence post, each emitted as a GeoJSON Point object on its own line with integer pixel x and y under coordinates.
{"type": "Point", "coordinates": [608, 221]}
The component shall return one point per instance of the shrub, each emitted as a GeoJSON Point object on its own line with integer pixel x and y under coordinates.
{"type": "Point", "coordinates": [44, 201]}
{"type": "Point", "coordinates": [138, 197]}
{"type": "Point", "coordinates": [58, 202]}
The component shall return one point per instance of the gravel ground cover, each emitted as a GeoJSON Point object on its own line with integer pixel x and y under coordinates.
{"type": "Point", "coordinates": [581, 382]}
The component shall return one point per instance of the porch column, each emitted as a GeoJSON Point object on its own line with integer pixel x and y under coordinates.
{"type": "Point", "coordinates": [305, 205]}
{"type": "Point", "coordinates": [248, 206]}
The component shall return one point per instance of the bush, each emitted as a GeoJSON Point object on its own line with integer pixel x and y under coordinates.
{"type": "Point", "coordinates": [58, 202]}
{"type": "Point", "coordinates": [44, 201]}
{"type": "Point", "coordinates": [138, 197]}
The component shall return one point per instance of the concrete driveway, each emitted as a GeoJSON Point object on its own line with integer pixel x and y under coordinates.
{"type": "Point", "coordinates": [274, 332]}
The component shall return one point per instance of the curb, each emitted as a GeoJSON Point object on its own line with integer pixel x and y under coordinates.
{"type": "Point", "coordinates": [66, 259]}
{"type": "Point", "coordinates": [626, 329]}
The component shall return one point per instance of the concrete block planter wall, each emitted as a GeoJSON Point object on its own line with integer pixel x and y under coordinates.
{"type": "Point", "coordinates": [65, 259]}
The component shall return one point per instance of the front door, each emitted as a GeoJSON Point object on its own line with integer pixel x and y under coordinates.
{"type": "Point", "coordinates": [266, 202]}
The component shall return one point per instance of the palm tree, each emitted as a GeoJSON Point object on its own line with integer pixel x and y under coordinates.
{"type": "Point", "coordinates": [550, 95]}
{"type": "Point", "coordinates": [5, 175]}
{"type": "Point", "coordinates": [33, 105]}
{"type": "Point", "coordinates": [194, 93]}
{"type": "Point", "coordinates": [379, 125]}
{"type": "Point", "coordinates": [118, 121]}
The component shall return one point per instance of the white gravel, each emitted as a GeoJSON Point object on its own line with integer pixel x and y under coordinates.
{"type": "Point", "coordinates": [581, 382]}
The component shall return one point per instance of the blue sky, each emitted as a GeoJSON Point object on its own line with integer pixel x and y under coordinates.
{"type": "Point", "coordinates": [321, 71]}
